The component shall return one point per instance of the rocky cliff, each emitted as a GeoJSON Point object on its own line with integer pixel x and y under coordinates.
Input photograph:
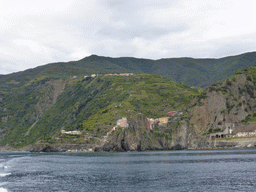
{"type": "Point", "coordinates": [230, 101]}
{"type": "Point", "coordinates": [138, 137]}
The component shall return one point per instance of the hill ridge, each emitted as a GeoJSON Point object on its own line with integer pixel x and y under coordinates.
{"type": "Point", "coordinates": [199, 72]}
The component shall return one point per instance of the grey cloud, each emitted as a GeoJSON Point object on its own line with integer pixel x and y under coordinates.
{"type": "Point", "coordinates": [115, 2]}
{"type": "Point", "coordinates": [8, 66]}
{"type": "Point", "coordinates": [146, 28]}
{"type": "Point", "coordinates": [139, 4]}
{"type": "Point", "coordinates": [115, 50]}
{"type": "Point", "coordinates": [132, 12]}
{"type": "Point", "coordinates": [146, 32]}
{"type": "Point", "coordinates": [232, 48]}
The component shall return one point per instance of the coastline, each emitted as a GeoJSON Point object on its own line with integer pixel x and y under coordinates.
{"type": "Point", "coordinates": [231, 143]}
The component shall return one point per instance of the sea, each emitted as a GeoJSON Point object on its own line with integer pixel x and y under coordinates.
{"type": "Point", "coordinates": [186, 170]}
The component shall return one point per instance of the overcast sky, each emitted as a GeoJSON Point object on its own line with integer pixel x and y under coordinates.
{"type": "Point", "coordinates": [37, 32]}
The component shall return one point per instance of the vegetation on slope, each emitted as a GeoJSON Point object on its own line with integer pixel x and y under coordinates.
{"type": "Point", "coordinates": [193, 72]}
{"type": "Point", "coordinates": [37, 103]}
{"type": "Point", "coordinates": [42, 107]}
{"type": "Point", "coordinates": [229, 101]}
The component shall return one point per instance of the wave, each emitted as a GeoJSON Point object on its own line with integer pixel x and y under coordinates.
{"type": "Point", "coordinates": [4, 174]}
{"type": "Point", "coordinates": [3, 189]}
{"type": "Point", "coordinates": [3, 166]}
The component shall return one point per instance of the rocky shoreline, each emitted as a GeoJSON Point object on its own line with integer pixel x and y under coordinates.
{"type": "Point", "coordinates": [139, 137]}
{"type": "Point", "coordinates": [237, 143]}
{"type": "Point", "coordinates": [51, 147]}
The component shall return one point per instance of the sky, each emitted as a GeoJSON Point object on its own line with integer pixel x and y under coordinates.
{"type": "Point", "coordinates": [36, 32]}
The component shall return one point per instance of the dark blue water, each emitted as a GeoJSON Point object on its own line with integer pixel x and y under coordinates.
{"type": "Point", "coordinates": [209, 170]}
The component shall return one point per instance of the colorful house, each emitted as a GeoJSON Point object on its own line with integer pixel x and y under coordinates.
{"type": "Point", "coordinates": [122, 122]}
{"type": "Point", "coordinates": [172, 113]}
{"type": "Point", "coordinates": [151, 123]}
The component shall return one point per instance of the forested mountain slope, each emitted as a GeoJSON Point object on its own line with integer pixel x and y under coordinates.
{"type": "Point", "coordinates": [193, 72]}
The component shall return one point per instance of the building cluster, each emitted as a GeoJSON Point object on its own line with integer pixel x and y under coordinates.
{"type": "Point", "coordinates": [174, 113]}
{"type": "Point", "coordinates": [162, 121]}
{"type": "Point", "coordinates": [122, 122]}
{"type": "Point", "coordinates": [110, 74]}
{"type": "Point", "coordinates": [71, 132]}
{"type": "Point", "coordinates": [231, 132]}
{"type": "Point", "coordinates": [92, 76]}
{"type": "Point", "coordinates": [246, 134]}
{"type": "Point", "coordinates": [120, 74]}
{"type": "Point", "coordinates": [228, 131]}
{"type": "Point", "coordinates": [86, 77]}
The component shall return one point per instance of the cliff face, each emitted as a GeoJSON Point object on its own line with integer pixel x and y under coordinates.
{"type": "Point", "coordinates": [50, 95]}
{"type": "Point", "coordinates": [230, 101]}
{"type": "Point", "coordinates": [138, 137]}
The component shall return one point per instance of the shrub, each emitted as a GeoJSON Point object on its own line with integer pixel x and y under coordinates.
{"type": "Point", "coordinates": [247, 119]}
{"type": "Point", "coordinates": [241, 90]}
{"type": "Point", "coordinates": [249, 78]}
{"type": "Point", "coordinates": [213, 130]}
{"type": "Point", "coordinates": [202, 96]}
{"type": "Point", "coordinates": [229, 107]}
{"type": "Point", "coordinates": [228, 82]}
{"type": "Point", "coordinates": [211, 88]}
{"type": "Point", "coordinates": [250, 90]}
{"type": "Point", "coordinates": [224, 90]}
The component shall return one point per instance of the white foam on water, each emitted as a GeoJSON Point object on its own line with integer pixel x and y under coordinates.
{"type": "Point", "coordinates": [3, 189]}
{"type": "Point", "coordinates": [2, 184]}
{"type": "Point", "coordinates": [4, 174]}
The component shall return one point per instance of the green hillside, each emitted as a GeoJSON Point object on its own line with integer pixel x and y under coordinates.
{"type": "Point", "coordinates": [38, 103]}
{"type": "Point", "coordinates": [193, 72]}
{"type": "Point", "coordinates": [39, 109]}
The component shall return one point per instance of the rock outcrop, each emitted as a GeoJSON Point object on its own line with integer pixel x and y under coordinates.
{"type": "Point", "coordinates": [137, 137]}
{"type": "Point", "coordinates": [60, 147]}
{"type": "Point", "coordinates": [230, 101]}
